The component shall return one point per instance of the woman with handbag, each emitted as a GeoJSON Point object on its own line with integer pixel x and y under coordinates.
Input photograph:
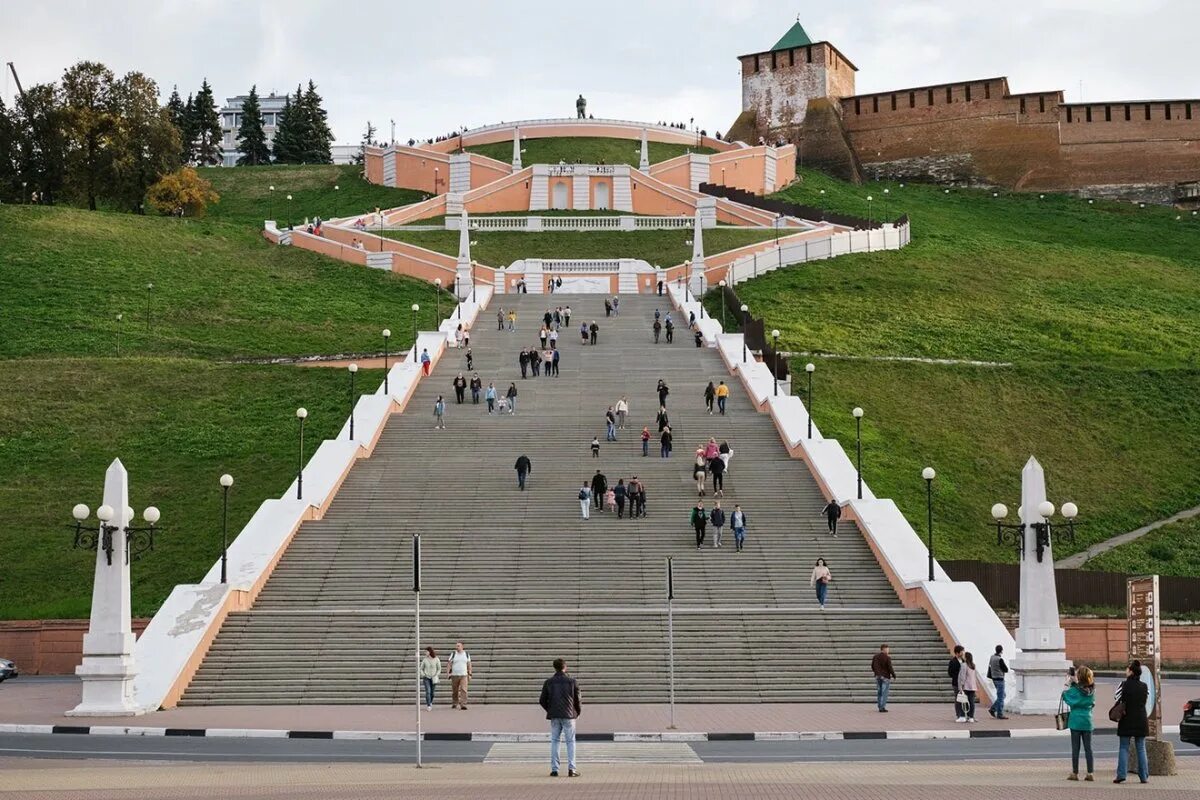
{"type": "Point", "coordinates": [1080, 698]}
{"type": "Point", "coordinates": [431, 668]}
{"type": "Point", "coordinates": [820, 579]}
{"type": "Point", "coordinates": [968, 685]}
{"type": "Point", "coordinates": [1129, 712]}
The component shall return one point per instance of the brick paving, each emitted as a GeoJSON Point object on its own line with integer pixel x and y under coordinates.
{"type": "Point", "coordinates": [993, 780]}
{"type": "Point", "coordinates": [43, 703]}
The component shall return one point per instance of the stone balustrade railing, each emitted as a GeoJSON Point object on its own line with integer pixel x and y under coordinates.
{"type": "Point", "coordinates": [535, 223]}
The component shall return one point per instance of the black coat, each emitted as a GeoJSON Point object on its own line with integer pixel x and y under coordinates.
{"type": "Point", "coordinates": [560, 697]}
{"type": "Point", "coordinates": [599, 484]}
{"type": "Point", "coordinates": [524, 465]}
{"type": "Point", "coordinates": [1134, 695]}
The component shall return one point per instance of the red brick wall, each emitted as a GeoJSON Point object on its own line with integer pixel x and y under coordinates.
{"type": "Point", "coordinates": [48, 647]}
{"type": "Point", "coordinates": [1103, 641]}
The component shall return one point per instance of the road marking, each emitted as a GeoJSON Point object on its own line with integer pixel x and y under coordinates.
{"type": "Point", "coordinates": [597, 753]}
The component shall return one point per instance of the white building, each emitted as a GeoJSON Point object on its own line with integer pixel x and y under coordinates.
{"type": "Point", "coordinates": [271, 106]}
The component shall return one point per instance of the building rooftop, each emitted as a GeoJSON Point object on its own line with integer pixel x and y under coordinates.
{"type": "Point", "coordinates": [795, 37]}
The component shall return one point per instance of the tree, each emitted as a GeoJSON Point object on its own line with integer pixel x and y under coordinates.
{"type": "Point", "coordinates": [146, 140]}
{"type": "Point", "coordinates": [90, 114]}
{"type": "Point", "coordinates": [367, 139]}
{"type": "Point", "coordinates": [207, 127]}
{"type": "Point", "coordinates": [251, 139]}
{"type": "Point", "coordinates": [319, 138]}
{"type": "Point", "coordinates": [10, 185]}
{"type": "Point", "coordinates": [187, 132]}
{"type": "Point", "coordinates": [182, 193]}
{"type": "Point", "coordinates": [284, 146]}
{"type": "Point", "coordinates": [38, 125]}
{"type": "Point", "coordinates": [176, 109]}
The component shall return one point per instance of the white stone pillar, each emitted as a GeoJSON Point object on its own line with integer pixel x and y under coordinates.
{"type": "Point", "coordinates": [644, 161]}
{"type": "Point", "coordinates": [462, 268]}
{"type": "Point", "coordinates": [460, 173]}
{"type": "Point", "coordinates": [706, 209]}
{"type": "Point", "coordinates": [1040, 665]}
{"type": "Point", "coordinates": [696, 276]}
{"type": "Point", "coordinates": [516, 159]}
{"type": "Point", "coordinates": [108, 667]}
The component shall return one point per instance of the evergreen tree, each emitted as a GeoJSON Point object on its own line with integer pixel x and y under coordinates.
{"type": "Point", "coordinates": [208, 127]}
{"type": "Point", "coordinates": [318, 137]}
{"type": "Point", "coordinates": [284, 146]}
{"type": "Point", "coordinates": [146, 142]}
{"type": "Point", "coordinates": [251, 139]}
{"type": "Point", "coordinates": [187, 132]}
{"type": "Point", "coordinates": [367, 139]}
{"type": "Point", "coordinates": [301, 129]}
{"type": "Point", "coordinates": [39, 123]}
{"type": "Point", "coordinates": [175, 109]}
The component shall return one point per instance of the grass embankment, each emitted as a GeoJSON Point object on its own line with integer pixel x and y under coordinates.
{"type": "Point", "coordinates": [1171, 550]}
{"type": "Point", "coordinates": [585, 149]}
{"type": "Point", "coordinates": [172, 407]}
{"type": "Point", "coordinates": [665, 248]}
{"type": "Point", "coordinates": [1096, 308]}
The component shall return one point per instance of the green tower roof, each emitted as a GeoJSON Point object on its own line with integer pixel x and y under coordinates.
{"type": "Point", "coordinates": [795, 37]}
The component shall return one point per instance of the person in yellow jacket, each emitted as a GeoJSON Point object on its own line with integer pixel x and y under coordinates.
{"type": "Point", "coordinates": [722, 395]}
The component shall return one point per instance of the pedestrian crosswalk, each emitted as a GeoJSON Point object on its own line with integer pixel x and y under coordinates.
{"type": "Point", "coordinates": [595, 753]}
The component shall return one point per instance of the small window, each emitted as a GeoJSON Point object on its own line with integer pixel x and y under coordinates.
{"type": "Point", "coordinates": [774, 61]}
{"type": "Point", "coordinates": [1022, 105]}
{"type": "Point", "coordinates": [949, 95]}
{"type": "Point", "coordinates": [1167, 111]}
{"type": "Point", "coordinates": [1088, 113]}
{"type": "Point", "coordinates": [857, 106]}
{"type": "Point", "coordinates": [791, 58]}
{"type": "Point", "coordinates": [1108, 113]}
{"type": "Point", "coordinates": [987, 91]}
{"type": "Point", "coordinates": [1042, 103]}
{"type": "Point", "coordinates": [1069, 114]}
{"type": "Point", "coordinates": [808, 53]}
{"type": "Point", "coordinates": [1147, 112]}
{"type": "Point", "coordinates": [1188, 111]}
{"type": "Point", "coordinates": [968, 88]}
{"type": "Point", "coordinates": [931, 97]}
{"type": "Point", "coordinates": [875, 104]}
{"type": "Point", "coordinates": [893, 102]}
{"type": "Point", "coordinates": [912, 100]}
{"type": "Point", "coordinates": [1127, 113]}
{"type": "Point", "coordinates": [756, 64]}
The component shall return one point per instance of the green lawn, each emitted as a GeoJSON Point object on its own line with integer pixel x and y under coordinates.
{"type": "Point", "coordinates": [1097, 309]}
{"type": "Point", "coordinates": [589, 150]}
{"type": "Point", "coordinates": [665, 248]}
{"type": "Point", "coordinates": [171, 407]}
{"type": "Point", "coordinates": [246, 196]}
{"type": "Point", "coordinates": [1171, 550]}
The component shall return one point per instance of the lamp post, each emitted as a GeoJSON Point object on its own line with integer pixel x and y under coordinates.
{"type": "Point", "coordinates": [149, 292]}
{"type": "Point", "coordinates": [415, 309]}
{"type": "Point", "coordinates": [226, 485]}
{"type": "Point", "coordinates": [270, 201]}
{"type": "Point", "coordinates": [928, 474]}
{"type": "Point", "coordinates": [858, 415]}
{"type": "Point", "coordinates": [810, 368]}
{"type": "Point", "coordinates": [722, 285]}
{"type": "Point", "coordinates": [301, 415]}
{"type": "Point", "coordinates": [387, 334]}
{"type": "Point", "coordinates": [353, 369]}
{"type": "Point", "coordinates": [1045, 531]}
{"type": "Point", "coordinates": [119, 318]}
{"type": "Point", "coordinates": [886, 192]}
{"type": "Point", "coordinates": [473, 281]}
{"type": "Point", "coordinates": [379, 216]}
{"type": "Point", "coordinates": [102, 536]}
{"type": "Point", "coordinates": [289, 212]}
{"type": "Point", "coordinates": [745, 329]}
{"type": "Point", "coordinates": [437, 282]}
{"type": "Point", "coordinates": [870, 199]}
{"type": "Point", "coordinates": [336, 189]}
{"type": "Point", "coordinates": [775, 336]}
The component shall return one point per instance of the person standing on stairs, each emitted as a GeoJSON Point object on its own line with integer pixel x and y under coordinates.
{"type": "Point", "coordinates": [547, 318]}
{"type": "Point", "coordinates": [717, 468]}
{"type": "Point", "coordinates": [610, 425]}
{"type": "Point", "coordinates": [663, 390]}
{"type": "Point", "coordinates": [641, 497]}
{"type": "Point", "coordinates": [595, 447]}
{"type": "Point", "coordinates": [820, 579]}
{"type": "Point", "coordinates": [511, 394]}
{"type": "Point", "coordinates": [620, 492]}
{"type": "Point", "coordinates": [593, 329]}
{"type": "Point", "coordinates": [439, 414]}
{"type": "Point", "coordinates": [458, 666]}
{"type": "Point", "coordinates": [664, 441]}
{"type": "Point", "coordinates": [426, 361]}
{"type": "Point", "coordinates": [657, 328]}
{"type": "Point", "coordinates": [500, 319]}
{"type": "Point", "coordinates": [554, 361]}
{"type": "Point", "coordinates": [512, 319]}
{"type": "Point", "coordinates": [700, 472]}
{"type": "Point", "coordinates": [722, 397]}
{"type": "Point", "coordinates": [583, 332]}
{"type": "Point", "coordinates": [523, 466]}
{"type": "Point", "coordinates": [710, 394]}
{"type": "Point", "coordinates": [699, 522]}
{"type": "Point", "coordinates": [476, 388]}
{"type": "Point", "coordinates": [490, 396]}
{"type": "Point", "coordinates": [737, 521]}
{"type": "Point", "coordinates": [616, 303]}
{"type": "Point", "coordinates": [881, 666]}
{"type": "Point", "coordinates": [460, 388]}
{"type": "Point", "coordinates": [669, 327]}
{"type": "Point", "coordinates": [717, 518]}
{"type": "Point", "coordinates": [622, 411]}
{"type": "Point", "coordinates": [607, 307]}
{"type": "Point", "coordinates": [470, 360]}
{"type": "Point", "coordinates": [523, 360]}
{"type": "Point", "coordinates": [431, 668]}
{"type": "Point", "coordinates": [567, 317]}
{"type": "Point", "coordinates": [553, 336]}
{"type": "Point", "coordinates": [585, 501]}
{"type": "Point", "coordinates": [968, 684]}
{"type": "Point", "coordinates": [544, 333]}
{"type": "Point", "coordinates": [645, 441]}
{"type": "Point", "coordinates": [599, 487]}
{"type": "Point", "coordinates": [832, 512]}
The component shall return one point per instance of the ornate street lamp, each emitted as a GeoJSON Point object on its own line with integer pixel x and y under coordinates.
{"type": "Point", "coordinates": [353, 369]}
{"type": "Point", "coordinates": [722, 285]}
{"type": "Point", "coordinates": [415, 309]}
{"type": "Point", "coordinates": [301, 415]}
{"type": "Point", "coordinates": [810, 368]}
{"type": "Point", "coordinates": [336, 189]}
{"type": "Point", "coordinates": [745, 331]}
{"type": "Point", "coordinates": [928, 474]}
{"type": "Point", "coordinates": [289, 212]}
{"type": "Point", "coordinates": [437, 293]}
{"type": "Point", "coordinates": [149, 293]}
{"type": "Point", "coordinates": [270, 201]}
{"type": "Point", "coordinates": [775, 336]}
{"type": "Point", "coordinates": [387, 334]}
{"type": "Point", "coordinates": [858, 415]}
{"type": "Point", "coordinates": [870, 199]}
{"type": "Point", "coordinates": [138, 540]}
{"type": "Point", "coordinates": [1044, 531]}
{"type": "Point", "coordinates": [226, 485]}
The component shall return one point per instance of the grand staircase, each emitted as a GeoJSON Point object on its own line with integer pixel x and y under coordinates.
{"type": "Point", "coordinates": [521, 579]}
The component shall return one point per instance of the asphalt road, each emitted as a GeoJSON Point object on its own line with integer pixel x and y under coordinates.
{"type": "Point", "coordinates": [156, 748]}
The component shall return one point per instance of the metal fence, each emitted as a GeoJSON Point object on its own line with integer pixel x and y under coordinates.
{"type": "Point", "coordinates": [1001, 585]}
{"type": "Point", "coordinates": [755, 334]}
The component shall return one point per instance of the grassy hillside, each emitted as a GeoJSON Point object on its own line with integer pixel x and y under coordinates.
{"type": "Point", "coordinates": [172, 407]}
{"type": "Point", "coordinates": [588, 149]}
{"type": "Point", "coordinates": [501, 248]}
{"type": "Point", "coordinates": [1171, 550]}
{"type": "Point", "coordinates": [246, 196]}
{"type": "Point", "coordinates": [1093, 310]}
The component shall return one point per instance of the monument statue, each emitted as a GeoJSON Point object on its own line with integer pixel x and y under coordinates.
{"type": "Point", "coordinates": [581, 108]}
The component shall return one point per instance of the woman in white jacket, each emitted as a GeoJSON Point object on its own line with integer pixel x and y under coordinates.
{"type": "Point", "coordinates": [431, 668]}
{"type": "Point", "coordinates": [820, 579]}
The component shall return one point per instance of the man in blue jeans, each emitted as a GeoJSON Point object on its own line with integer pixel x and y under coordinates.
{"type": "Point", "coordinates": [881, 665]}
{"type": "Point", "coordinates": [997, 670]}
{"type": "Point", "coordinates": [560, 699]}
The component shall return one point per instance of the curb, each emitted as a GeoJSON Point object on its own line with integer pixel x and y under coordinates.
{"type": "Point", "coordinates": [495, 737]}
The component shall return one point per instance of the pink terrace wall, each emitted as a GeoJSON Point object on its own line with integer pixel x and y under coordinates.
{"type": "Point", "coordinates": [421, 170]}
{"type": "Point", "coordinates": [484, 170]}
{"type": "Point", "coordinates": [676, 171]}
{"type": "Point", "coordinates": [508, 194]}
{"type": "Point", "coordinates": [373, 162]}
{"type": "Point", "coordinates": [534, 130]}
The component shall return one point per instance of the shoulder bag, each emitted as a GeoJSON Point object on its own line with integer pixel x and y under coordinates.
{"type": "Point", "coordinates": [1060, 719]}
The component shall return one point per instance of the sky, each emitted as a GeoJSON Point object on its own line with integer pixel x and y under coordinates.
{"type": "Point", "coordinates": [432, 67]}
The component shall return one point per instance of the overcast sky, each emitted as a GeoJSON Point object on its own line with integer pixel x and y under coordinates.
{"type": "Point", "coordinates": [434, 66]}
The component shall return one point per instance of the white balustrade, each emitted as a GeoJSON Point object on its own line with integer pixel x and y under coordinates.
{"type": "Point", "coordinates": [573, 223]}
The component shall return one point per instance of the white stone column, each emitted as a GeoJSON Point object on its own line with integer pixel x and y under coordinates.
{"type": "Point", "coordinates": [108, 667]}
{"type": "Point", "coordinates": [462, 268]}
{"type": "Point", "coordinates": [696, 275]}
{"type": "Point", "coordinates": [706, 209]}
{"type": "Point", "coordinates": [1040, 665]}
{"type": "Point", "coordinates": [460, 173]}
{"type": "Point", "coordinates": [644, 161]}
{"type": "Point", "coordinates": [516, 159]}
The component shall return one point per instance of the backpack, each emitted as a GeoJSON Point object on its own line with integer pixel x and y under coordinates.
{"type": "Point", "coordinates": [583, 494]}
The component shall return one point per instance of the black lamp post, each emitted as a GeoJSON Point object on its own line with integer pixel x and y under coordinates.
{"type": "Point", "coordinates": [928, 474]}
{"type": "Point", "coordinates": [886, 192]}
{"type": "Point", "coordinates": [745, 331]}
{"type": "Point", "coordinates": [336, 189]}
{"type": "Point", "coordinates": [387, 334]}
{"type": "Point", "coordinates": [775, 337]}
{"type": "Point", "coordinates": [119, 318]}
{"type": "Point", "coordinates": [473, 281]}
{"type": "Point", "coordinates": [289, 212]}
{"type": "Point", "coordinates": [858, 415]}
{"type": "Point", "coordinates": [1045, 531]}
{"type": "Point", "coordinates": [437, 293]}
{"type": "Point", "coordinates": [379, 214]}
{"type": "Point", "coordinates": [810, 368]}
{"type": "Point", "coordinates": [226, 484]}
{"type": "Point", "coordinates": [301, 415]}
{"type": "Point", "coordinates": [415, 309]}
{"type": "Point", "coordinates": [149, 292]}
{"type": "Point", "coordinates": [270, 201]}
{"type": "Point", "coordinates": [138, 540]}
{"type": "Point", "coordinates": [457, 299]}
{"type": "Point", "coordinates": [353, 372]}
{"type": "Point", "coordinates": [870, 199]}
{"type": "Point", "coordinates": [722, 285]}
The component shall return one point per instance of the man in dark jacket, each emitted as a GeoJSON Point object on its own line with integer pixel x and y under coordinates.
{"type": "Point", "coordinates": [599, 487]}
{"type": "Point", "coordinates": [560, 699]}
{"type": "Point", "coordinates": [832, 512]}
{"type": "Point", "coordinates": [881, 666]}
{"type": "Point", "coordinates": [997, 669]}
{"type": "Point", "coordinates": [952, 669]}
{"type": "Point", "coordinates": [524, 466]}
{"type": "Point", "coordinates": [593, 330]}
{"type": "Point", "coordinates": [523, 360]}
